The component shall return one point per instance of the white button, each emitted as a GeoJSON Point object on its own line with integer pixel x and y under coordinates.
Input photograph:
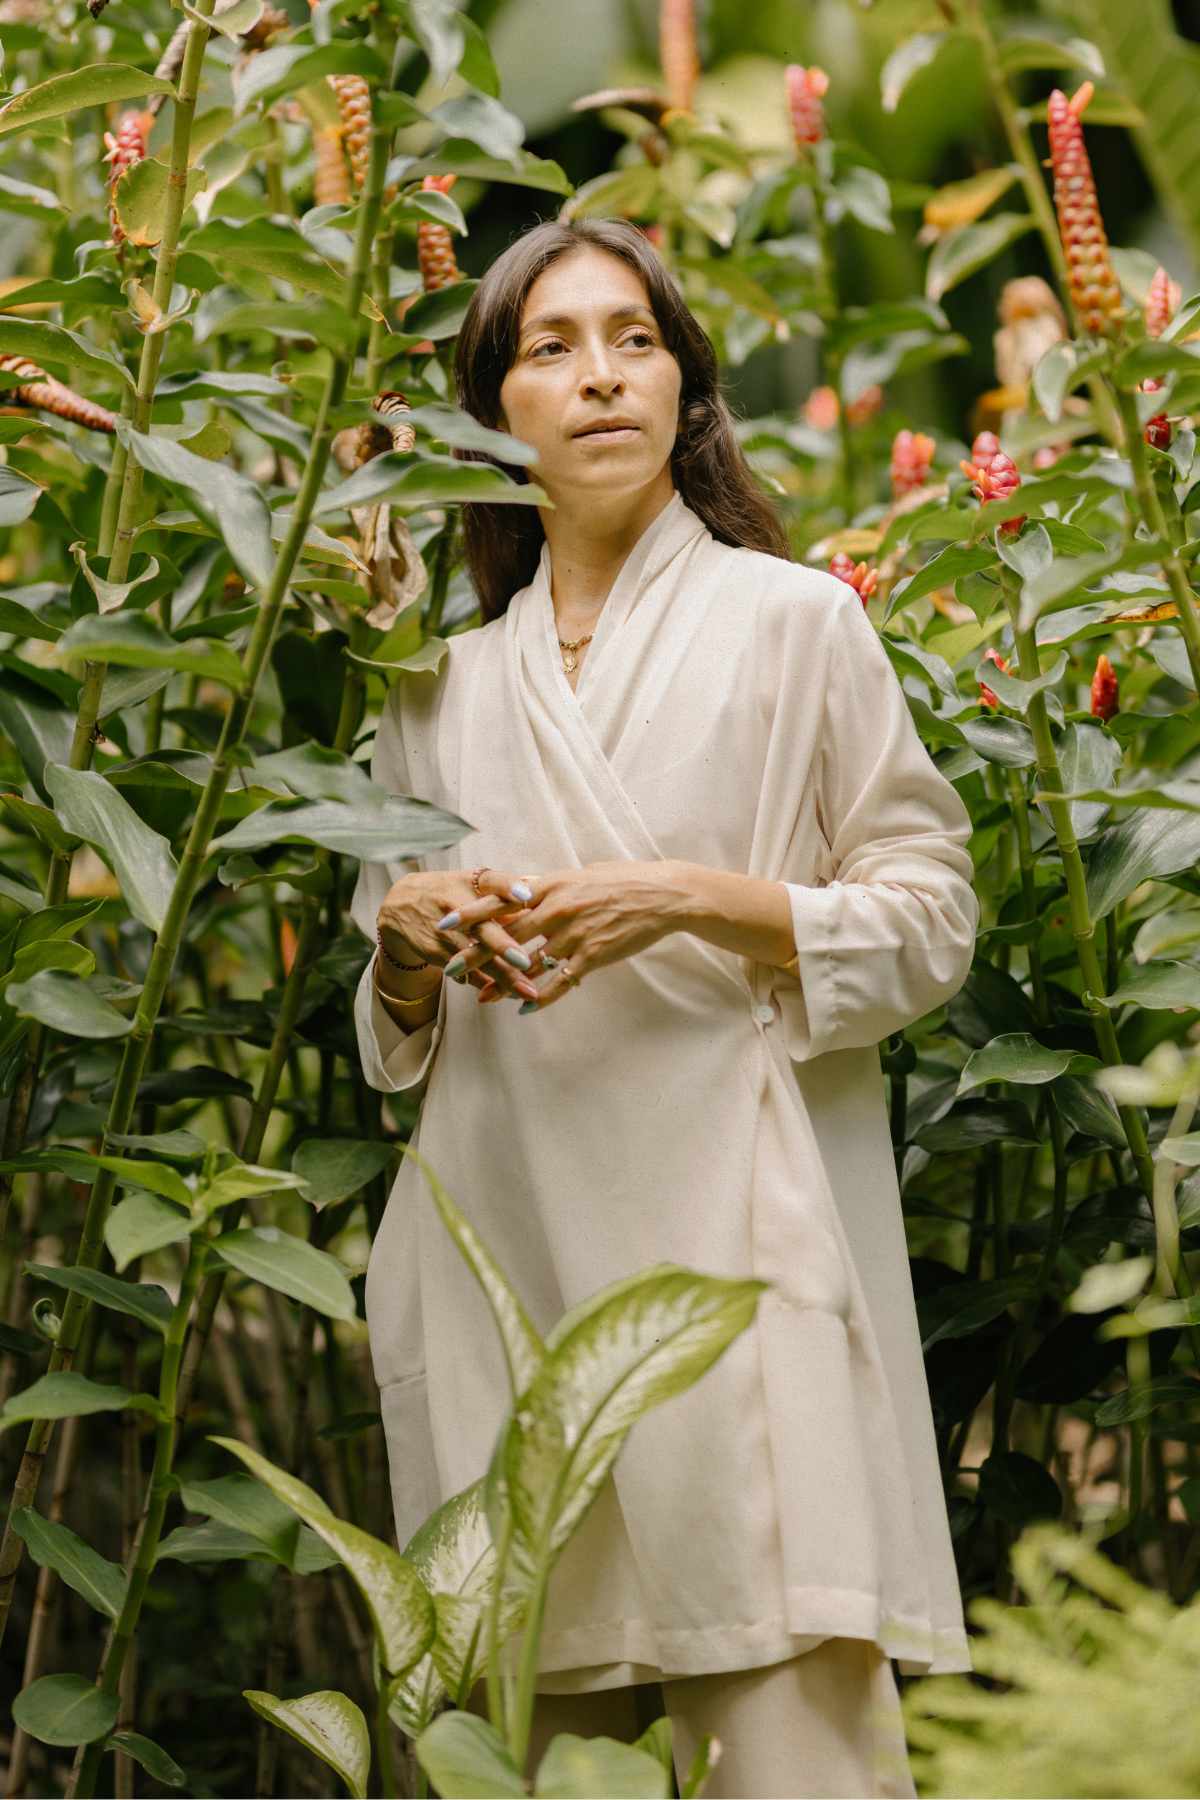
{"type": "Point", "coordinates": [765, 1014]}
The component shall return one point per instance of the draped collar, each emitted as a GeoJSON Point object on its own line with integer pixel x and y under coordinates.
{"type": "Point", "coordinates": [666, 536]}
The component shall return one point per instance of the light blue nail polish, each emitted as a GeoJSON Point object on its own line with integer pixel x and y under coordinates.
{"type": "Point", "coordinates": [527, 1006]}
{"type": "Point", "coordinates": [449, 921]}
{"type": "Point", "coordinates": [521, 890]}
{"type": "Point", "coordinates": [517, 958]}
{"type": "Point", "coordinates": [455, 966]}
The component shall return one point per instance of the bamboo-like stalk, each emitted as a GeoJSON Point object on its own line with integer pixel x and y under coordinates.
{"type": "Point", "coordinates": [196, 852]}
{"type": "Point", "coordinates": [1083, 927]}
{"type": "Point", "coordinates": [829, 309]}
{"type": "Point", "coordinates": [83, 1781]}
{"type": "Point", "coordinates": [122, 491]}
{"type": "Point", "coordinates": [1172, 564]}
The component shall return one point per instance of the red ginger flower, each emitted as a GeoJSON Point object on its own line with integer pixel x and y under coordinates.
{"type": "Point", "coordinates": [912, 454]}
{"type": "Point", "coordinates": [1161, 301]}
{"type": "Point", "coordinates": [48, 395]}
{"type": "Point", "coordinates": [354, 104]}
{"type": "Point", "coordinates": [860, 576]}
{"type": "Point", "coordinates": [435, 246]}
{"type": "Point", "coordinates": [986, 445]}
{"type": "Point", "coordinates": [986, 696]}
{"type": "Point", "coordinates": [1157, 432]}
{"type": "Point", "coordinates": [124, 148]}
{"type": "Point", "coordinates": [677, 51]}
{"type": "Point", "coordinates": [993, 476]}
{"type": "Point", "coordinates": [805, 91]}
{"type": "Point", "coordinates": [1105, 691]}
{"type": "Point", "coordinates": [1095, 290]}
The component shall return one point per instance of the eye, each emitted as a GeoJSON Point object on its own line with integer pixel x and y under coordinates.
{"type": "Point", "coordinates": [547, 344]}
{"type": "Point", "coordinates": [642, 333]}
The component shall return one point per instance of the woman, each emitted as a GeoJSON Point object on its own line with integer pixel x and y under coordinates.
{"type": "Point", "coordinates": [711, 867]}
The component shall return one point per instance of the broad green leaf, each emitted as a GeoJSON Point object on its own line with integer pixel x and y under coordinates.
{"type": "Point", "coordinates": [141, 1300]}
{"type": "Point", "coordinates": [1017, 1056]}
{"type": "Point", "coordinates": [214, 1542]}
{"type": "Point", "coordinates": [140, 198]}
{"type": "Point", "coordinates": [395, 476]}
{"type": "Point", "coordinates": [246, 1505]}
{"type": "Point", "coordinates": [65, 1709]}
{"type": "Point", "coordinates": [49, 953]}
{"type": "Point", "coordinates": [960, 253]}
{"type": "Point", "coordinates": [54, 1546]}
{"type": "Point", "coordinates": [464, 1756]}
{"type": "Point", "coordinates": [175, 1146]}
{"type": "Point", "coordinates": [524, 1351]}
{"type": "Point", "coordinates": [335, 1168]}
{"type": "Point", "coordinates": [608, 1362]}
{"type": "Point", "coordinates": [1088, 756]}
{"type": "Point", "coordinates": [942, 570]}
{"type": "Point", "coordinates": [130, 1171]}
{"type": "Point", "coordinates": [18, 497]}
{"type": "Point", "coordinates": [968, 1305]}
{"type": "Point", "coordinates": [459, 156]}
{"type": "Point", "coordinates": [271, 249]}
{"type": "Point", "coordinates": [110, 595]}
{"type": "Point", "coordinates": [99, 84]}
{"type": "Point", "coordinates": [280, 1260]}
{"type": "Point", "coordinates": [908, 58]}
{"type": "Point", "coordinates": [1160, 985]}
{"type": "Point", "coordinates": [328, 1724]}
{"type": "Point", "coordinates": [135, 641]}
{"type": "Point", "coordinates": [143, 1223]}
{"type": "Point", "coordinates": [231, 503]}
{"type": "Point", "coordinates": [1110, 1284]}
{"type": "Point", "coordinates": [397, 1600]}
{"type": "Point", "coordinates": [240, 1182]}
{"type": "Point", "coordinates": [1146, 846]}
{"type": "Point", "coordinates": [91, 808]}
{"type": "Point", "coordinates": [576, 1767]}
{"type": "Point", "coordinates": [440, 29]}
{"type": "Point", "coordinates": [482, 120]}
{"type": "Point", "coordinates": [283, 68]}
{"type": "Point", "coordinates": [314, 772]}
{"type": "Point", "coordinates": [1139, 1402]}
{"type": "Point", "coordinates": [23, 197]}
{"type": "Point", "coordinates": [1062, 368]}
{"type": "Point", "coordinates": [144, 1750]}
{"type": "Point", "coordinates": [59, 350]}
{"type": "Point", "coordinates": [40, 728]}
{"type": "Point", "coordinates": [1026, 52]}
{"type": "Point", "coordinates": [389, 830]}
{"type": "Point", "coordinates": [1184, 1149]}
{"type": "Point", "coordinates": [451, 425]}
{"type": "Point", "coordinates": [1015, 692]}
{"type": "Point", "coordinates": [66, 1004]}
{"type": "Point", "coordinates": [1163, 796]}
{"type": "Point", "coordinates": [1155, 357]}
{"type": "Point", "coordinates": [65, 1395]}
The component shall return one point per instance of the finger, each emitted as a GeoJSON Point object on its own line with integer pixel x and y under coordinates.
{"type": "Point", "coordinates": [505, 883]}
{"type": "Point", "coordinates": [503, 970]}
{"type": "Point", "coordinates": [556, 985]}
{"type": "Point", "coordinates": [467, 916]}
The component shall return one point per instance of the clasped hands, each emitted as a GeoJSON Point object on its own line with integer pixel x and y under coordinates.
{"type": "Point", "coordinates": [507, 945]}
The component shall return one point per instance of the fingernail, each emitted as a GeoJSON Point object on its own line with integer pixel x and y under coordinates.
{"type": "Point", "coordinates": [517, 958]}
{"type": "Point", "coordinates": [459, 975]}
{"type": "Point", "coordinates": [449, 921]}
{"type": "Point", "coordinates": [527, 988]}
{"type": "Point", "coordinates": [548, 961]}
{"type": "Point", "coordinates": [455, 966]}
{"type": "Point", "coordinates": [521, 890]}
{"type": "Point", "coordinates": [527, 1006]}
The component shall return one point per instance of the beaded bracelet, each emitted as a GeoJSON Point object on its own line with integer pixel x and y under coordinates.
{"type": "Point", "coordinates": [394, 960]}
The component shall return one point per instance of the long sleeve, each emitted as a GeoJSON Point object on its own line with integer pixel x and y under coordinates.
{"type": "Point", "coordinates": [890, 935]}
{"type": "Point", "coordinates": [391, 1057]}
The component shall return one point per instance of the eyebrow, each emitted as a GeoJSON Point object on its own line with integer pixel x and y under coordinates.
{"type": "Point", "coordinates": [629, 311]}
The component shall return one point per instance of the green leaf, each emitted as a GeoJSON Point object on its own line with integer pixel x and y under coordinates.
{"type": "Point", "coordinates": [230, 502]}
{"type": "Point", "coordinates": [132, 640]}
{"type": "Point", "coordinates": [575, 1767]}
{"type": "Point", "coordinates": [335, 1168]}
{"type": "Point", "coordinates": [246, 1505]}
{"type": "Point", "coordinates": [453, 426]}
{"type": "Point", "coordinates": [144, 1750]}
{"type": "Point", "coordinates": [1017, 1056]}
{"type": "Point", "coordinates": [942, 570]}
{"type": "Point", "coordinates": [140, 197]}
{"type": "Point", "coordinates": [1155, 357]}
{"type": "Point", "coordinates": [960, 253]}
{"type": "Point", "coordinates": [396, 1598]}
{"type": "Point", "coordinates": [906, 60]}
{"type": "Point", "coordinates": [864, 194]}
{"type": "Point", "coordinates": [439, 28]}
{"type": "Point", "coordinates": [270, 249]}
{"type": "Point", "coordinates": [241, 1182]}
{"type": "Point", "coordinates": [53, 1546]}
{"type": "Point", "coordinates": [110, 595]}
{"type": "Point", "coordinates": [968, 1305]}
{"type": "Point", "coordinates": [65, 1395]}
{"type": "Point", "coordinates": [1184, 1149]}
{"type": "Point", "coordinates": [56, 348]}
{"type": "Point", "coordinates": [18, 497]}
{"type": "Point", "coordinates": [483, 120]}
{"type": "Point", "coordinates": [23, 197]}
{"type": "Point", "coordinates": [1022, 52]}
{"type": "Point", "coordinates": [464, 1755]}
{"type": "Point", "coordinates": [387, 831]}
{"type": "Point", "coordinates": [459, 156]}
{"type": "Point", "coordinates": [66, 1004]}
{"type": "Point", "coordinates": [1015, 692]}
{"type": "Point", "coordinates": [395, 476]}
{"type": "Point", "coordinates": [1017, 1488]}
{"type": "Point", "coordinates": [1144, 847]}
{"type": "Point", "coordinates": [1062, 369]}
{"type": "Point", "coordinates": [143, 1223]}
{"type": "Point", "coordinates": [140, 1300]}
{"type": "Point", "coordinates": [282, 69]}
{"type": "Point", "coordinates": [280, 1260]}
{"type": "Point", "coordinates": [328, 1724]}
{"type": "Point", "coordinates": [437, 315]}
{"type": "Point", "coordinates": [1147, 1397]}
{"type": "Point", "coordinates": [65, 1709]}
{"type": "Point", "coordinates": [1160, 985]}
{"type": "Point", "coordinates": [91, 808]}
{"type": "Point", "coordinates": [99, 84]}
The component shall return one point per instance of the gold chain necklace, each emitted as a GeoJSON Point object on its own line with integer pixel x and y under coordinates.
{"type": "Point", "coordinates": [570, 659]}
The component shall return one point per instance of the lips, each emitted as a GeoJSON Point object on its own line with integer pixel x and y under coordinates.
{"type": "Point", "coordinates": [609, 425]}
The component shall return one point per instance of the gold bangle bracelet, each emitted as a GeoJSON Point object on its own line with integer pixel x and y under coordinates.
{"type": "Point", "coordinates": [791, 966]}
{"type": "Point", "coordinates": [399, 1000]}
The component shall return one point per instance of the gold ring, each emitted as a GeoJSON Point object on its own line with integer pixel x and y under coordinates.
{"type": "Point", "coordinates": [569, 975]}
{"type": "Point", "coordinates": [475, 874]}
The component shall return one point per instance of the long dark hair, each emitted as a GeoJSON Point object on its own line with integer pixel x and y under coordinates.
{"type": "Point", "coordinates": [502, 544]}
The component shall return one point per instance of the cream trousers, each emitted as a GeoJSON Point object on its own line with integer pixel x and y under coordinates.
{"type": "Point", "coordinates": [822, 1725]}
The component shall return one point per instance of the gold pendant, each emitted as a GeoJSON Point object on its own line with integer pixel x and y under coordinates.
{"type": "Point", "coordinates": [569, 661]}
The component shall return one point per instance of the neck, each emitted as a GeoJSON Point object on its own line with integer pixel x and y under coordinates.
{"type": "Point", "coordinates": [590, 538]}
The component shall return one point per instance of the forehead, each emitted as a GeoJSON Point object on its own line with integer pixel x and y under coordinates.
{"type": "Point", "coordinates": [583, 282]}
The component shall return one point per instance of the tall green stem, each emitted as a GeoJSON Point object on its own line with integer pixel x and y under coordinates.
{"type": "Point", "coordinates": [196, 853]}
{"type": "Point", "coordinates": [829, 312]}
{"type": "Point", "coordinates": [1172, 564]}
{"type": "Point", "coordinates": [522, 1712]}
{"type": "Point", "coordinates": [1083, 927]}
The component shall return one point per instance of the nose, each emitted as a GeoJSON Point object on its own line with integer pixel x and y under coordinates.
{"type": "Point", "coordinates": [601, 377]}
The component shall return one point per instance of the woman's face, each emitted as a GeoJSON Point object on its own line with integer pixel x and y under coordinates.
{"type": "Point", "coordinates": [590, 351]}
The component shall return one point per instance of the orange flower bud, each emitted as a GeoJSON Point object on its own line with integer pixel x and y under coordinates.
{"type": "Point", "coordinates": [912, 454]}
{"type": "Point", "coordinates": [866, 406]}
{"type": "Point", "coordinates": [1161, 301]}
{"type": "Point", "coordinates": [435, 245]}
{"type": "Point", "coordinates": [860, 576]}
{"type": "Point", "coordinates": [993, 476]}
{"type": "Point", "coordinates": [1105, 690]}
{"type": "Point", "coordinates": [354, 104]}
{"type": "Point", "coordinates": [805, 90]}
{"type": "Point", "coordinates": [1095, 290]}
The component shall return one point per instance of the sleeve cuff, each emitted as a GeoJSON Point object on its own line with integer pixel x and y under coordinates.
{"type": "Point", "coordinates": [392, 1058]}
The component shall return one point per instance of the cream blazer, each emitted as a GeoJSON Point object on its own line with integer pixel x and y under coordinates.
{"type": "Point", "coordinates": [687, 1105]}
